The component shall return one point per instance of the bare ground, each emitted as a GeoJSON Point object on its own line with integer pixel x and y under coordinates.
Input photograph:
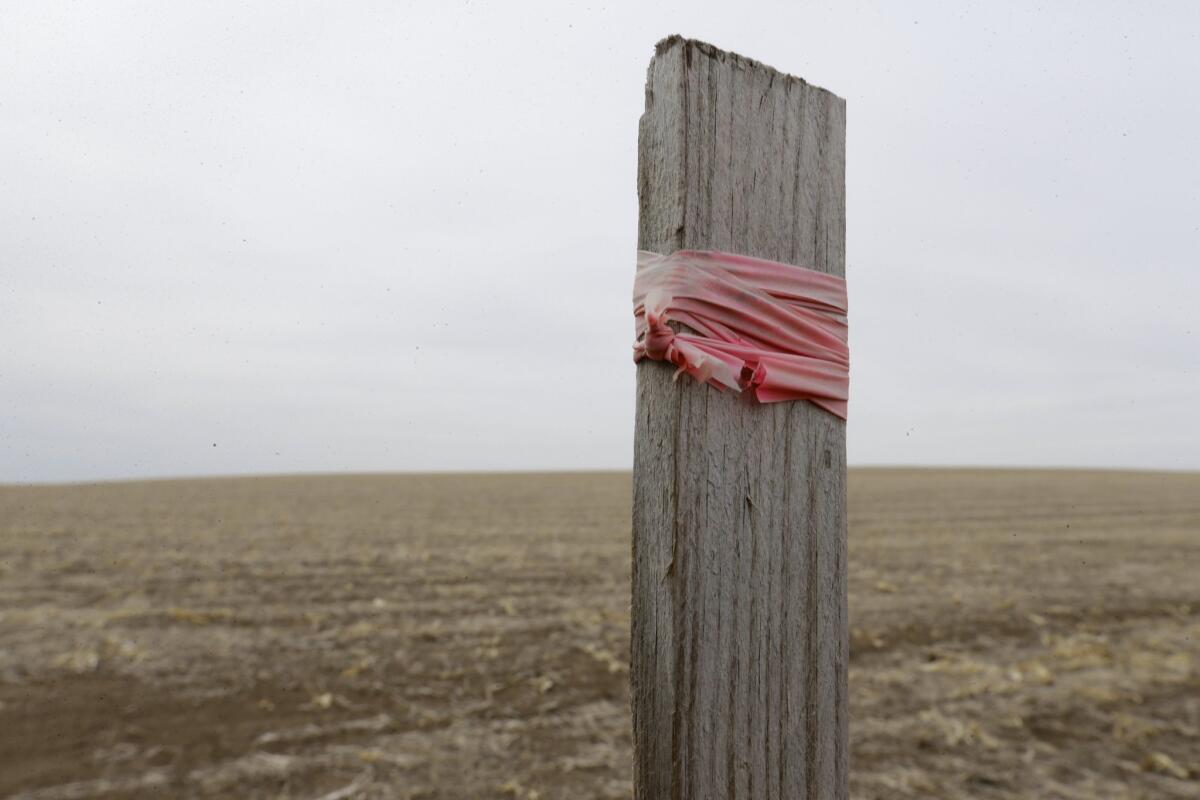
{"type": "Point", "coordinates": [1015, 634]}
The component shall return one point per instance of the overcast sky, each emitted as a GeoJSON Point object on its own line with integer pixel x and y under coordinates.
{"type": "Point", "coordinates": [376, 236]}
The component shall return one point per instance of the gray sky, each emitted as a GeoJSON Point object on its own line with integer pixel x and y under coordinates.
{"type": "Point", "coordinates": [370, 236]}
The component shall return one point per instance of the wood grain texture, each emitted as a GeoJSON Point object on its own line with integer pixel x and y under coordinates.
{"type": "Point", "coordinates": [740, 639]}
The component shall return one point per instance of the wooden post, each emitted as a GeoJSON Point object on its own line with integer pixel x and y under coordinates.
{"type": "Point", "coordinates": [740, 638]}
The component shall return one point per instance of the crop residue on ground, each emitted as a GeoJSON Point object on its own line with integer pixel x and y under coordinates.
{"type": "Point", "coordinates": [1014, 634]}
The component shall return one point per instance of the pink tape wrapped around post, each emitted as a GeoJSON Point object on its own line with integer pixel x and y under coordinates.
{"type": "Point", "coordinates": [775, 331]}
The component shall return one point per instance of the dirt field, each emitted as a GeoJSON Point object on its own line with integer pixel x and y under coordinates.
{"type": "Point", "coordinates": [1015, 635]}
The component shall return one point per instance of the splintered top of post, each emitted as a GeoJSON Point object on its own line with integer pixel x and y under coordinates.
{"type": "Point", "coordinates": [675, 40]}
{"type": "Point", "coordinates": [738, 157]}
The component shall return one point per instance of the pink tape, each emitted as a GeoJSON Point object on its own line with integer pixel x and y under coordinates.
{"type": "Point", "coordinates": [776, 331]}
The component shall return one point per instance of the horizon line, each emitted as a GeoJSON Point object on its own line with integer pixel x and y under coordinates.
{"type": "Point", "coordinates": [568, 471]}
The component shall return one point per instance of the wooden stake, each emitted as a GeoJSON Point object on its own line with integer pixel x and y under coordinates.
{"type": "Point", "coordinates": [740, 638]}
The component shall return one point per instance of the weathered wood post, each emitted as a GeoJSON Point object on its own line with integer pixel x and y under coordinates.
{"type": "Point", "coordinates": [740, 638]}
